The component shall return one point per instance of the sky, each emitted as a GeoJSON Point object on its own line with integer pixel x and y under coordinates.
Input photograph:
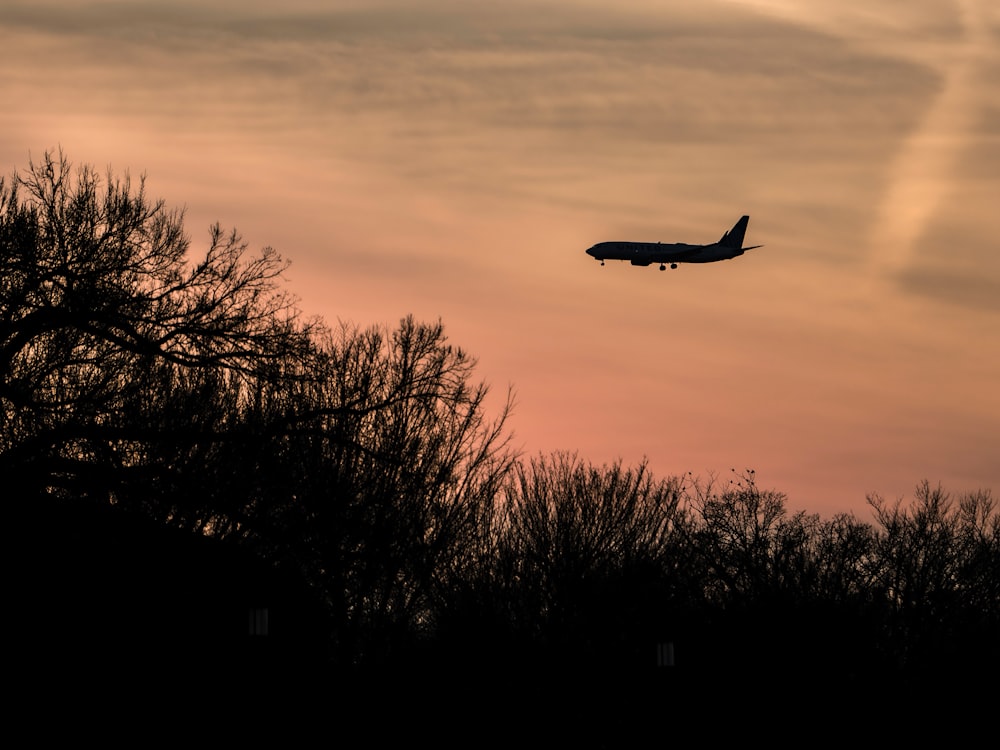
{"type": "Point", "coordinates": [453, 159]}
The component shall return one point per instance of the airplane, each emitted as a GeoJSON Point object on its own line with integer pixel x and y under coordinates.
{"type": "Point", "coordinates": [730, 245]}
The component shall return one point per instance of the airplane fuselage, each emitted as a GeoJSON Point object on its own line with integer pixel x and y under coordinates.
{"type": "Point", "coordinates": [646, 253]}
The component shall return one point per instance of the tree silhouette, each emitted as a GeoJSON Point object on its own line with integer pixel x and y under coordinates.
{"type": "Point", "coordinates": [100, 310]}
{"type": "Point", "coordinates": [591, 556]}
{"type": "Point", "coordinates": [363, 459]}
{"type": "Point", "coordinates": [363, 463]}
{"type": "Point", "coordinates": [937, 577]}
{"type": "Point", "coordinates": [403, 463]}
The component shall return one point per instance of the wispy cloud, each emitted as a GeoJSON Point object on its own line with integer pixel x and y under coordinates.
{"type": "Point", "coordinates": [956, 42]}
{"type": "Point", "coordinates": [923, 173]}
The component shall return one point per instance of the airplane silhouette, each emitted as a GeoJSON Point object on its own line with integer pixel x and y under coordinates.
{"type": "Point", "coordinates": [730, 245]}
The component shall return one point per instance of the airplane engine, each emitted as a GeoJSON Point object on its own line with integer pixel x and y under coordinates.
{"type": "Point", "coordinates": [637, 262]}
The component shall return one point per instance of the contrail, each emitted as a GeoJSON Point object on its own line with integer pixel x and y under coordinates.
{"type": "Point", "coordinates": [922, 172]}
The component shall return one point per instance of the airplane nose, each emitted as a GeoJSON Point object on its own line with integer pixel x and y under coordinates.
{"type": "Point", "coordinates": [590, 251]}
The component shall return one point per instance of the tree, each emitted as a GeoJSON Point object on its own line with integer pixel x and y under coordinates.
{"type": "Point", "coordinates": [396, 464]}
{"type": "Point", "coordinates": [762, 610]}
{"type": "Point", "coordinates": [101, 311]}
{"type": "Point", "coordinates": [590, 555]}
{"type": "Point", "coordinates": [190, 390]}
{"type": "Point", "coordinates": [739, 534]}
{"type": "Point", "coordinates": [937, 576]}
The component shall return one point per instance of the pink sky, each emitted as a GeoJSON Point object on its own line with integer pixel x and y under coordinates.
{"type": "Point", "coordinates": [454, 162]}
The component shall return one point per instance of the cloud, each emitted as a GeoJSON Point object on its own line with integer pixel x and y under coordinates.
{"type": "Point", "coordinates": [954, 43]}
{"type": "Point", "coordinates": [956, 287]}
{"type": "Point", "coordinates": [924, 170]}
{"type": "Point", "coordinates": [571, 104]}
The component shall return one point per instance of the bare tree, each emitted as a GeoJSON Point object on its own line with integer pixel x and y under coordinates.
{"type": "Point", "coordinates": [404, 464]}
{"type": "Point", "coordinates": [134, 374]}
{"type": "Point", "coordinates": [937, 574]}
{"type": "Point", "coordinates": [739, 534]}
{"type": "Point", "coordinates": [100, 304]}
{"type": "Point", "coordinates": [591, 556]}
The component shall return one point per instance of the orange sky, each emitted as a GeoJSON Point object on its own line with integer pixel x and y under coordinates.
{"type": "Point", "coordinates": [449, 160]}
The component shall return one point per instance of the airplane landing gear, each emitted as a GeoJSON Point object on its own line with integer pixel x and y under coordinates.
{"type": "Point", "coordinates": [663, 267]}
{"type": "Point", "coordinates": [673, 265]}
{"type": "Point", "coordinates": [602, 262]}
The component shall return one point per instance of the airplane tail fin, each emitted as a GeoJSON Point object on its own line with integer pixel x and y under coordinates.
{"type": "Point", "coordinates": [734, 237]}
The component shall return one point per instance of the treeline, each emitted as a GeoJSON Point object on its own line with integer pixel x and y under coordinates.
{"type": "Point", "coordinates": [364, 463]}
